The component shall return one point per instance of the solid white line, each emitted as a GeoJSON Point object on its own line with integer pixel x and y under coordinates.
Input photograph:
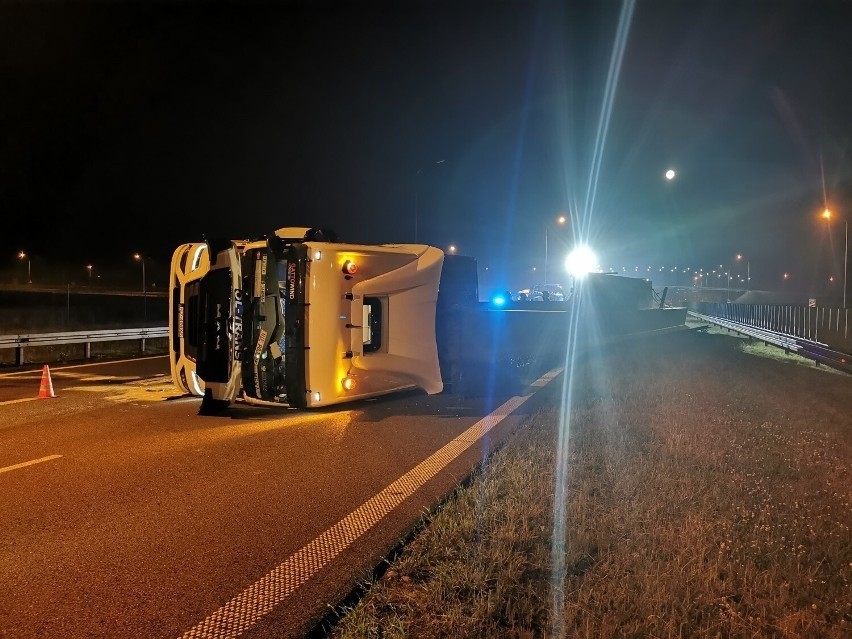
{"type": "Point", "coordinates": [64, 368]}
{"type": "Point", "coordinates": [29, 463]}
{"type": "Point", "coordinates": [250, 606]}
{"type": "Point", "coordinates": [18, 401]}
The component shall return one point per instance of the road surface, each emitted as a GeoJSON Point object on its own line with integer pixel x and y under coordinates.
{"type": "Point", "coordinates": [126, 514]}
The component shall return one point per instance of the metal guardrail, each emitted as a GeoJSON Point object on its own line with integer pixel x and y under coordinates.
{"type": "Point", "coordinates": [822, 324]}
{"type": "Point", "coordinates": [21, 341]}
{"type": "Point", "coordinates": [817, 351]}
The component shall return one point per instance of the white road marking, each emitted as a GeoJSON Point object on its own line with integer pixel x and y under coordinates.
{"type": "Point", "coordinates": [250, 606]}
{"type": "Point", "coordinates": [29, 463]}
{"type": "Point", "coordinates": [18, 401]}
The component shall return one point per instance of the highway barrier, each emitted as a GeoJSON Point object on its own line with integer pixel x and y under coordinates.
{"type": "Point", "coordinates": [830, 326]}
{"type": "Point", "coordinates": [22, 341]}
{"type": "Point", "coordinates": [820, 352]}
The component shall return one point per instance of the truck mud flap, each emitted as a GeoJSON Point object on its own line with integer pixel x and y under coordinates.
{"type": "Point", "coordinates": [210, 406]}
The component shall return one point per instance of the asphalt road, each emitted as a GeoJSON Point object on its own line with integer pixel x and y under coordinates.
{"type": "Point", "coordinates": [126, 514]}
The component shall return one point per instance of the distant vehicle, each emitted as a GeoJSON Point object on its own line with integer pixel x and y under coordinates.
{"type": "Point", "coordinates": [299, 320]}
{"type": "Point", "coordinates": [548, 293]}
{"type": "Point", "coordinates": [529, 295]}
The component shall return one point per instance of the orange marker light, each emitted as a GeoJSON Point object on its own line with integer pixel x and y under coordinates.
{"type": "Point", "coordinates": [348, 383]}
{"type": "Point", "coordinates": [349, 267]}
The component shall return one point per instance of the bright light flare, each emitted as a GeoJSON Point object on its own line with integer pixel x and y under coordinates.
{"type": "Point", "coordinates": [671, 175]}
{"type": "Point", "coordinates": [581, 261]}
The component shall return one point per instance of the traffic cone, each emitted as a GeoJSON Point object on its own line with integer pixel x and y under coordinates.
{"type": "Point", "coordinates": [45, 391]}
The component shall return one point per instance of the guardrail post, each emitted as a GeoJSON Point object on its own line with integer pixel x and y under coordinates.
{"type": "Point", "coordinates": [143, 345]}
{"type": "Point", "coordinates": [87, 350]}
{"type": "Point", "coordinates": [19, 356]}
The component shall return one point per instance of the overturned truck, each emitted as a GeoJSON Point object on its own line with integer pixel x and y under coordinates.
{"type": "Point", "coordinates": [301, 320]}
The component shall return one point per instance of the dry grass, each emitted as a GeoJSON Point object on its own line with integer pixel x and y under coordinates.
{"type": "Point", "coordinates": [707, 495]}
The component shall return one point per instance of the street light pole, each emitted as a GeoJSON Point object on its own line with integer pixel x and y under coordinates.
{"type": "Point", "coordinates": [845, 259]}
{"type": "Point", "coordinates": [21, 256]}
{"type": "Point", "coordinates": [141, 258]}
{"type": "Point", "coordinates": [559, 220]}
{"type": "Point", "coordinates": [827, 215]}
{"type": "Point", "coordinates": [545, 254]}
{"type": "Point", "coordinates": [417, 194]}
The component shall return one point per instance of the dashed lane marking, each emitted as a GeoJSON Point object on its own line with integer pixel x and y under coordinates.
{"type": "Point", "coordinates": [250, 606]}
{"type": "Point", "coordinates": [29, 463]}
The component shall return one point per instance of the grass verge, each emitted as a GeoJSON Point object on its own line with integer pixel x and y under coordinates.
{"type": "Point", "coordinates": [706, 493]}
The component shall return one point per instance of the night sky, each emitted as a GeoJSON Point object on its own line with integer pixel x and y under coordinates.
{"type": "Point", "coordinates": [138, 126]}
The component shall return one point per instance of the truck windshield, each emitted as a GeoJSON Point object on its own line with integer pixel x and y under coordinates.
{"type": "Point", "coordinates": [273, 349]}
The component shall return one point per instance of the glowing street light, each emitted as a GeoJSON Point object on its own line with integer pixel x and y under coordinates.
{"type": "Point", "coordinates": [89, 268]}
{"type": "Point", "coordinates": [826, 214]}
{"type": "Point", "coordinates": [748, 271]}
{"type": "Point", "coordinates": [22, 255]}
{"type": "Point", "coordinates": [451, 249]}
{"type": "Point", "coordinates": [560, 221]}
{"type": "Point", "coordinates": [141, 258]}
{"type": "Point", "coordinates": [671, 174]}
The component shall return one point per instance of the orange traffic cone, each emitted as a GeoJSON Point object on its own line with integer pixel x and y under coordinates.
{"type": "Point", "coordinates": [46, 389]}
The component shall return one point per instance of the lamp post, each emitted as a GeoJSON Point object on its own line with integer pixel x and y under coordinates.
{"type": "Point", "coordinates": [22, 255]}
{"type": "Point", "coordinates": [748, 271]}
{"type": "Point", "coordinates": [559, 220]}
{"type": "Point", "coordinates": [89, 268]}
{"type": "Point", "coordinates": [417, 192]}
{"type": "Point", "coordinates": [827, 215]}
{"type": "Point", "coordinates": [141, 258]}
